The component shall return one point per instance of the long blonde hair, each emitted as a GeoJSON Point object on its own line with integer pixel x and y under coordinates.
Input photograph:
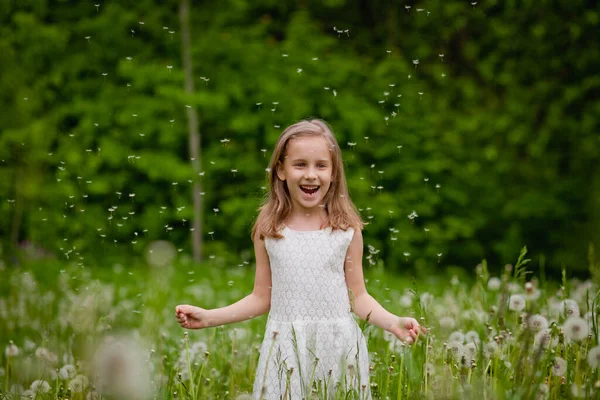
{"type": "Point", "coordinates": [341, 212]}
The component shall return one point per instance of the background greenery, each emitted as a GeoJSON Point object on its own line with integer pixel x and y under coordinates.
{"type": "Point", "coordinates": [506, 122]}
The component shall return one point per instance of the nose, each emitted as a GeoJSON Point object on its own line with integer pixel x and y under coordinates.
{"type": "Point", "coordinates": [310, 174]}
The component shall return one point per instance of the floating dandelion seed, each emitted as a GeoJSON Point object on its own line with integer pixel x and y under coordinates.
{"type": "Point", "coordinates": [438, 186]}
{"type": "Point", "coordinates": [406, 255]}
{"type": "Point", "coordinates": [399, 147]}
{"type": "Point", "coordinates": [415, 62]}
{"type": "Point", "coordinates": [97, 7]}
{"type": "Point", "coordinates": [264, 151]}
{"type": "Point", "coordinates": [441, 56]}
{"type": "Point", "coordinates": [216, 210]}
{"type": "Point", "coordinates": [407, 8]}
{"type": "Point", "coordinates": [88, 38]}
{"type": "Point", "coordinates": [412, 216]}
{"type": "Point", "coordinates": [211, 233]}
{"type": "Point", "coordinates": [315, 58]}
{"type": "Point", "coordinates": [234, 171]}
{"type": "Point", "coordinates": [389, 52]}
{"type": "Point", "coordinates": [299, 70]}
{"type": "Point", "coordinates": [352, 144]}
{"type": "Point", "coordinates": [439, 257]}
{"type": "Point", "coordinates": [473, 3]}
{"type": "Point", "coordinates": [169, 67]}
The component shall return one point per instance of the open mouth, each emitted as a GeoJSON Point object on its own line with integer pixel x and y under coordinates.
{"type": "Point", "coordinates": [309, 189]}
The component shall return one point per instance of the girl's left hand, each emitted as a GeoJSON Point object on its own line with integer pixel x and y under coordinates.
{"type": "Point", "coordinates": [407, 329]}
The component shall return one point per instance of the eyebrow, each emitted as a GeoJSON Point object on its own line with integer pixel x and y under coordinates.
{"type": "Point", "coordinates": [302, 159]}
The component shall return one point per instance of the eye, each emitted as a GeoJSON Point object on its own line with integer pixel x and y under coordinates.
{"type": "Point", "coordinates": [299, 164]}
{"type": "Point", "coordinates": [322, 165]}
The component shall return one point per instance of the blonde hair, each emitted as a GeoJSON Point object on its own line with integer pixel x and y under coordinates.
{"type": "Point", "coordinates": [341, 212]}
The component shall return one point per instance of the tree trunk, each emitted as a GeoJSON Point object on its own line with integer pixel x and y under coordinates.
{"type": "Point", "coordinates": [194, 135]}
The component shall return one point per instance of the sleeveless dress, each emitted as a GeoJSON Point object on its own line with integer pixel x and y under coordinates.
{"type": "Point", "coordinates": [312, 342]}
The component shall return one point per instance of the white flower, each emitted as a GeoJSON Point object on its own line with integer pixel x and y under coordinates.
{"type": "Point", "coordinates": [78, 384]}
{"type": "Point", "coordinates": [28, 394]}
{"type": "Point", "coordinates": [12, 350]}
{"type": "Point", "coordinates": [122, 369]}
{"type": "Point", "coordinates": [456, 349]}
{"type": "Point", "coordinates": [46, 355]}
{"type": "Point", "coordinates": [538, 322]}
{"type": "Point", "coordinates": [494, 283]}
{"type": "Point", "coordinates": [40, 386]}
{"type": "Point", "coordinates": [457, 336]}
{"type": "Point", "coordinates": [447, 323]}
{"type": "Point", "coordinates": [406, 301]}
{"type": "Point", "coordinates": [544, 339]}
{"type": "Point", "coordinates": [67, 372]}
{"type": "Point", "coordinates": [516, 302]}
{"type": "Point", "coordinates": [471, 351]}
{"type": "Point", "coordinates": [593, 357]}
{"type": "Point", "coordinates": [575, 329]}
{"type": "Point", "coordinates": [490, 348]}
{"type": "Point", "coordinates": [472, 337]}
{"type": "Point", "coordinates": [559, 367]}
{"type": "Point", "coordinates": [569, 307]}
{"type": "Point", "coordinates": [514, 287]}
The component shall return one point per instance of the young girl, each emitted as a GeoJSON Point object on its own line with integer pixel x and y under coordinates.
{"type": "Point", "coordinates": [308, 246]}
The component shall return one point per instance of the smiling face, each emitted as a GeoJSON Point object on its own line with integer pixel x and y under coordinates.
{"type": "Point", "coordinates": [307, 170]}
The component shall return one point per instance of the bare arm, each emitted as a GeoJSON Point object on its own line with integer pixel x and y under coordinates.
{"type": "Point", "coordinates": [364, 305]}
{"type": "Point", "coordinates": [256, 303]}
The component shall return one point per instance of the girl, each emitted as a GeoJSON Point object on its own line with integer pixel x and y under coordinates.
{"type": "Point", "coordinates": [308, 246]}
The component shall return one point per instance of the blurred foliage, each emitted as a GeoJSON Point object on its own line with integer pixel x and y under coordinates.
{"type": "Point", "coordinates": [497, 103]}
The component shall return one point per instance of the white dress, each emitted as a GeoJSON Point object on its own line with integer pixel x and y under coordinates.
{"type": "Point", "coordinates": [312, 341]}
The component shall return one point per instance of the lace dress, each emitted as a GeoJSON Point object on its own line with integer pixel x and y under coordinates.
{"type": "Point", "coordinates": [312, 342]}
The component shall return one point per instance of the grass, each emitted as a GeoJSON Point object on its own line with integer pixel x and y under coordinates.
{"type": "Point", "coordinates": [111, 333]}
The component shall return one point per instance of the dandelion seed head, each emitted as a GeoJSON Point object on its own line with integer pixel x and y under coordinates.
{"type": "Point", "coordinates": [516, 302]}
{"type": "Point", "coordinates": [538, 322]}
{"type": "Point", "coordinates": [575, 329]}
{"type": "Point", "coordinates": [559, 367]}
{"type": "Point", "coordinates": [593, 357]}
{"type": "Point", "coordinates": [494, 283]}
{"type": "Point", "coordinates": [457, 336]}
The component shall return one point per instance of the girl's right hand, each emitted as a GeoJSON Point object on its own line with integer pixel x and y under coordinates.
{"type": "Point", "coordinates": [191, 317]}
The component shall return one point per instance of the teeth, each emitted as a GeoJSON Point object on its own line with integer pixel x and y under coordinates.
{"type": "Point", "coordinates": [309, 187]}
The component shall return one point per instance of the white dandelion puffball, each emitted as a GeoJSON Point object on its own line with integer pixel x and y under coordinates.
{"type": "Point", "coordinates": [447, 323]}
{"type": "Point", "coordinates": [593, 357]}
{"type": "Point", "coordinates": [67, 372]}
{"type": "Point", "coordinates": [538, 323]}
{"type": "Point", "coordinates": [78, 384]}
{"type": "Point", "coordinates": [46, 355]}
{"type": "Point", "coordinates": [122, 370]}
{"type": "Point", "coordinates": [406, 301]}
{"type": "Point", "coordinates": [544, 339]}
{"type": "Point", "coordinates": [457, 336]}
{"type": "Point", "coordinates": [559, 368]}
{"type": "Point", "coordinates": [161, 253]}
{"type": "Point", "coordinates": [516, 302]}
{"type": "Point", "coordinates": [514, 287]}
{"type": "Point", "coordinates": [12, 350]}
{"type": "Point", "coordinates": [575, 329]}
{"type": "Point", "coordinates": [40, 386]}
{"type": "Point", "coordinates": [456, 349]}
{"type": "Point", "coordinates": [472, 337]}
{"type": "Point", "coordinates": [494, 283]}
{"type": "Point", "coordinates": [569, 307]}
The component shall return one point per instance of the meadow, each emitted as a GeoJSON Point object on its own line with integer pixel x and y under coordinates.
{"type": "Point", "coordinates": [74, 332]}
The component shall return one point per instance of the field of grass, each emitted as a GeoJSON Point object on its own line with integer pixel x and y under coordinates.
{"type": "Point", "coordinates": [73, 332]}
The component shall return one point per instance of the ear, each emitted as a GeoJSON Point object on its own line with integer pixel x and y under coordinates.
{"type": "Point", "coordinates": [280, 173]}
